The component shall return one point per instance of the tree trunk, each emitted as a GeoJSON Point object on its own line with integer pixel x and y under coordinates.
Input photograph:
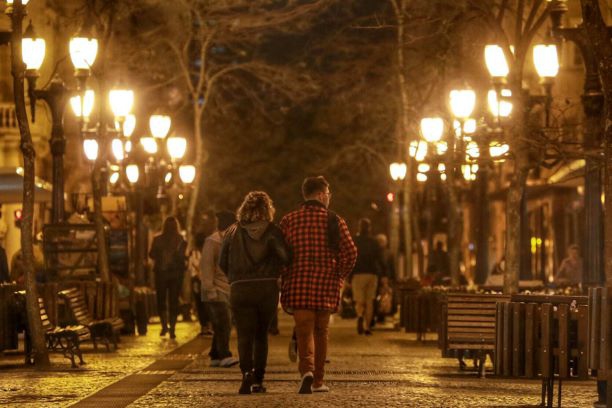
{"type": "Point", "coordinates": [199, 160]}
{"type": "Point", "coordinates": [453, 243]}
{"type": "Point", "coordinates": [399, 7]}
{"type": "Point", "coordinates": [513, 230]}
{"type": "Point", "coordinates": [37, 336]}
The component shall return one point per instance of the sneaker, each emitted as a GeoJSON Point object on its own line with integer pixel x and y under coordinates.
{"type": "Point", "coordinates": [306, 384]}
{"type": "Point", "coordinates": [228, 362]}
{"type": "Point", "coordinates": [360, 325]}
{"type": "Point", "coordinates": [163, 331]}
{"type": "Point", "coordinates": [215, 362]}
{"type": "Point", "coordinates": [367, 332]}
{"type": "Point", "coordinates": [293, 351]}
{"type": "Point", "coordinates": [258, 388]}
{"type": "Point", "coordinates": [172, 334]}
{"type": "Point", "coordinates": [321, 388]}
{"type": "Point", "coordinates": [247, 381]}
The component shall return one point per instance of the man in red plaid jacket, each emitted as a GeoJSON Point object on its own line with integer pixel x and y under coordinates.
{"type": "Point", "coordinates": [311, 283]}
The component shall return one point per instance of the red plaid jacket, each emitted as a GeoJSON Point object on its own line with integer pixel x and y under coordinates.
{"type": "Point", "coordinates": [313, 279]}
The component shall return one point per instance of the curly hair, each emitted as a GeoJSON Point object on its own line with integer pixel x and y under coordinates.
{"type": "Point", "coordinates": [257, 206]}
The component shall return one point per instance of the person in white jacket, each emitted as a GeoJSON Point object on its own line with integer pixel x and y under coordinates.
{"type": "Point", "coordinates": [215, 293]}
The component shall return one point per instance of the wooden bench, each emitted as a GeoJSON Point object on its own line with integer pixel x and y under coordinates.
{"type": "Point", "coordinates": [106, 330]}
{"type": "Point", "coordinates": [66, 340]}
{"type": "Point", "coordinates": [544, 340]}
{"type": "Point", "coordinates": [470, 326]}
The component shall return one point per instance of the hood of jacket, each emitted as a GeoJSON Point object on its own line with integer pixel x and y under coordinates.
{"type": "Point", "coordinates": [256, 229]}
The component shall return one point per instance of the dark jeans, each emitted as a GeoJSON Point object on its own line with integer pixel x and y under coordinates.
{"type": "Point", "coordinates": [254, 306]}
{"type": "Point", "coordinates": [220, 318]}
{"type": "Point", "coordinates": [167, 300]}
{"type": "Point", "coordinates": [196, 292]}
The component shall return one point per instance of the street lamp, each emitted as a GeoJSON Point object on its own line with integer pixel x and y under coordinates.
{"type": "Point", "coordinates": [187, 173]}
{"type": "Point", "coordinates": [398, 171]}
{"type": "Point", "coordinates": [90, 146]}
{"type": "Point", "coordinates": [432, 129]}
{"type": "Point", "coordinates": [462, 103]}
{"type": "Point", "coordinates": [496, 63]}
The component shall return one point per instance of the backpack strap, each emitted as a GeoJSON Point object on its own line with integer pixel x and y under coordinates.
{"type": "Point", "coordinates": [333, 231]}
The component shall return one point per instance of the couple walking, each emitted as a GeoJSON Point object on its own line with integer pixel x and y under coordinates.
{"type": "Point", "coordinates": [312, 252]}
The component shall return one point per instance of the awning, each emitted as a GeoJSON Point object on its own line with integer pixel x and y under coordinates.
{"type": "Point", "coordinates": [11, 187]}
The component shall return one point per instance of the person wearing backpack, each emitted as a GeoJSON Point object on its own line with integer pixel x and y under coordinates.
{"type": "Point", "coordinates": [252, 255]}
{"type": "Point", "coordinates": [322, 256]}
{"type": "Point", "coordinates": [169, 265]}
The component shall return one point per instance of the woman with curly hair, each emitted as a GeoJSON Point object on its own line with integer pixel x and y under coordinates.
{"type": "Point", "coordinates": [252, 255]}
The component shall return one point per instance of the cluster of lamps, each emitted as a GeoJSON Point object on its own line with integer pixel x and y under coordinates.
{"type": "Point", "coordinates": [462, 103]}
{"type": "Point", "coordinates": [83, 51]}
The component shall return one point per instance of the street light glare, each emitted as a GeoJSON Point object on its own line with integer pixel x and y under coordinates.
{"type": "Point", "coordinates": [432, 129]}
{"type": "Point", "coordinates": [421, 178]}
{"type": "Point", "coordinates": [121, 101]}
{"type": "Point", "coordinates": [469, 127]}
{"type": "Point", "coordinates": [114, 178]}
{"type": "Point", "coordinates": [177, 146]}
{"type": "Point", "coordinates": [423, 167]}
{"type": "Point", "coordinates": [149, 144]}
{"type": "Point", "coordinates": [472, 150]}
{"type": "Point", "coordinates": [546, 60]}
{"type": "Point", "coordinates": [496, 61]}
{"type": "Point", "coordinates": [441, 148]}
{"type": "Point", "coordinates": [501, 108]}
{"type": "Point", "coordinates": [90, 146]}
{"type": "Point", "coordinates": [33, 52]}
{"type": "Point", "coordinates": [117, 148]}
{"type": "Point", "coordinates": [23, 2]}
{"type": "Point", "coordinates": [498, 150]}
{"type": "Point", "coordinates": [83, 52]}
{"type": "Point", "coordinates": [132, 173]}
{"type": "Point", "coordinates": [187, 173]}
{"type": "Point", "coordinates": [160, 125]}
{"type": "Point", "coordinates": [398, 171]}
{"type": "Point", "coordinates": [418, 150]}
{"type": "Point", "coordinates": [129, 124]}
{"type": "Point", "coordinates": [462, 102]}
{"type": "Point", "coordinates": [86, 107]}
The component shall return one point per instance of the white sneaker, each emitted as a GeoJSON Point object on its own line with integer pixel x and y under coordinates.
{"type": "Point", "coordinates": [322, 388]}
{"type": "Point", "coordinates": [228, 362]}
{"type": "Point", "coordinates": [306, 383]}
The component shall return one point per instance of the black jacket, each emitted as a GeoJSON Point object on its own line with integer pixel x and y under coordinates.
{"type": "Point", "coordinates": [253, 252]}
{"type": "Point", "coordinates": [369, 256]}
{"type": "Point", "coordinates": [168, 254]}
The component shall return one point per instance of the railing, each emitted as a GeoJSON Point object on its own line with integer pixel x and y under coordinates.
{"type": "Point", "coordinates": [8, 119]}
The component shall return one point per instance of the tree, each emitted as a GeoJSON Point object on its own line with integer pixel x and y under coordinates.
{"type": "Point", "coordinates": [600, 37]}
{"type": "Point", "coordinates": [515, 22]}
{"type": "Point", "coordinates": [40, 354]}
{"type": "Point", "coordinates": [219, 60]}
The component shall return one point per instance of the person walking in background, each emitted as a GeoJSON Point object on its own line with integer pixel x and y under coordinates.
{"type": "Point", "coordinates": [570, 270]}
{"type": "Point", "coordinates": [216, 291]}
{"type": "Point", "coordinates": [252, 254]}
{"type": "Point", "coordinates": [323, 255]}
{"type": "Point", "coordinates": [196, 284]}
{"type": "Point", "coordinates": [365, 275]}
{"type": "Point", "coordinates": [168, 254]}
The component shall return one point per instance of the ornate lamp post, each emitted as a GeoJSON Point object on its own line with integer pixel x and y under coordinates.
{"type": "Point", "coordinates": [398, 174]}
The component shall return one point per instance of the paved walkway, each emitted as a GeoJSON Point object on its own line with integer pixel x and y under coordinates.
{"type": "Point", "coordinates": [388, 369]}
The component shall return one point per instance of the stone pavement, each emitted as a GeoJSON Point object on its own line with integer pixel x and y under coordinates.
{"type": "Point", "coordinates": [388, 369]}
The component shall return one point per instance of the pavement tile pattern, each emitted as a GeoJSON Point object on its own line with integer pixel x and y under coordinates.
{"type": "Point", "coordinates": [388, 369]}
